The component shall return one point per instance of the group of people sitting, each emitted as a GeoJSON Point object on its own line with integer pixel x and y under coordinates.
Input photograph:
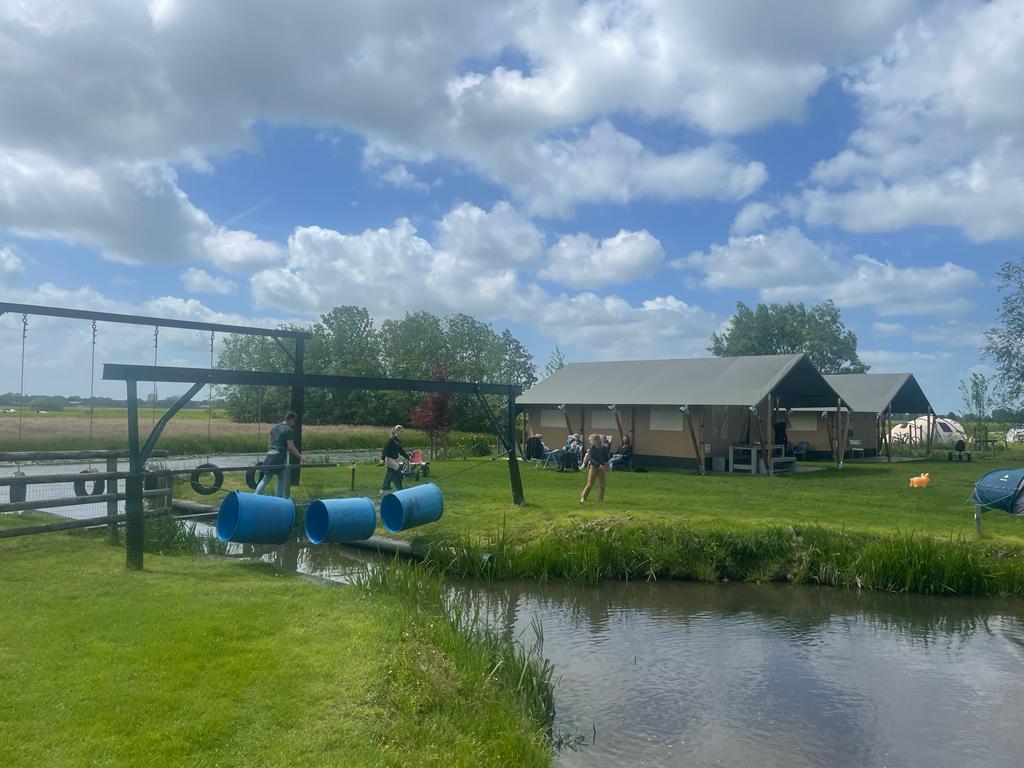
{"type": "Point", "coordinates": [571, 456]}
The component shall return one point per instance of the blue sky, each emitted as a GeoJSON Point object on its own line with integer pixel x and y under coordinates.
{"type": "Point", "coordinates": [610, 176]}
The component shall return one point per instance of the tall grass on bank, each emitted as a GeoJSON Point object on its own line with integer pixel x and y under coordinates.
{"type": "Point", "coordinates": [457, 628]}
{"type": "Point", "coordinates": [596, 550]}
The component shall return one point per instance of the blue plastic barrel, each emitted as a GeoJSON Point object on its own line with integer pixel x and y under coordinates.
{"type": "Point", "coordinates": [340, 520]}
{"type": "Point", "coordinates": [249, 518]}
{"type": "Point", "coordinates": [414, 506]}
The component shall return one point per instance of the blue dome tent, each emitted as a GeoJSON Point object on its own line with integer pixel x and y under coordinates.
{"type": "Point", "coordinates": [1001, 489]}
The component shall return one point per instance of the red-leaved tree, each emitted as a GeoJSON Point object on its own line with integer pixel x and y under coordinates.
{"type": "Point", "coordinates": [433, 415]}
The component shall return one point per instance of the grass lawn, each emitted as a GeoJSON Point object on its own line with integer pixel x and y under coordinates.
{"type": "Point", "coordinates": [200, 662]}
{"type": "Point", "coordinates": [860, 526]}
{"type": "Point", "coordinates": [860, 498]}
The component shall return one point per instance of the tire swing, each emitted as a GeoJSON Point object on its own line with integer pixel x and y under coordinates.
{"type": "Point", "coordinates": [98, 486]}
{"type": "Point", "coordinates": [203, 469]}
{"type": "Point", "coordinates": [208, 468]}
{"type": "Point", "coordinates": [253, 475]}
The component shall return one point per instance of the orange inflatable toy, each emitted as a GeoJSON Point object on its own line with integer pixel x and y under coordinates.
{"type": "Point", "coordinates": [921, 481]}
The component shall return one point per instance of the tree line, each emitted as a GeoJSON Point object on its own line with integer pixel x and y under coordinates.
{"type": "Point", "coordinates": [347, 342]}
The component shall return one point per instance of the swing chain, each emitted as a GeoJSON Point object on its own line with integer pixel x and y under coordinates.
{"type": "Point", "coordinates": [21, 392]}
{"type": "Point", "coordinates": [92, 382]}
{"type": "Point", "coordinates": [156, 349]}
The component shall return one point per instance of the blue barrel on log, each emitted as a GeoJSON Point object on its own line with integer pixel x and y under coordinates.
{"type": "Point", "coordinates": [249, 518]}
{"type": "Point", "coordinates": [411, 507]}
{"type": "Point", "coordinates": [339, 520]}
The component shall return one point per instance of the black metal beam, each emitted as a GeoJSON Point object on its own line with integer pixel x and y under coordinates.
{"type": "Point", "coordinates": [158, 428]}
{"type": "Point", "coordinates": [176, 375]}
{"type": "Point", "coordinates": [162, 322]}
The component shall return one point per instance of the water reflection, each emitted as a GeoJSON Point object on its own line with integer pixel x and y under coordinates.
{"type": "Point", "coordinates": [678, 674]}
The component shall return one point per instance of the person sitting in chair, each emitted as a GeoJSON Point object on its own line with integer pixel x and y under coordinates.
{"type": "Point", "coordinates": [624, 455]}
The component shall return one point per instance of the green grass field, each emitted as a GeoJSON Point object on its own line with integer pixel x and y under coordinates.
{"type": "Point", "coordinates": [202, 662]}
{"type": "Point", "coordinates": [816, 527]}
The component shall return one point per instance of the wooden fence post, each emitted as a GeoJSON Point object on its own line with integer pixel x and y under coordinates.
{"type": "Point", "coordinates": [112, 504]}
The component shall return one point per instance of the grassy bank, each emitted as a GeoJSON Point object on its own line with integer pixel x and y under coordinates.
{"type": "Point", "coordinates": [212, 662]}
{"type": "Point", "coordinates": [861, 526]}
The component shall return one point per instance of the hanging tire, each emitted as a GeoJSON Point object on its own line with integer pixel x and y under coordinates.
{"type": "Point", "coordinates": [98, 486]}
{"type": "Point", "coordinates": [18, 489]}
{"type": "Point", "coordinates": [253, 475]}
{"type": "Point", "coordinates": [203, 469]}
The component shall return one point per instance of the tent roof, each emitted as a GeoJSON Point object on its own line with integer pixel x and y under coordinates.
{"type": "Point", "coordinates": [874, 392]}
{"type": "Point", "coordinates": [690, 381]}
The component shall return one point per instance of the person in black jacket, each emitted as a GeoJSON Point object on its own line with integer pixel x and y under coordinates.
{"type": "Point", "coordinates": [389, 458]}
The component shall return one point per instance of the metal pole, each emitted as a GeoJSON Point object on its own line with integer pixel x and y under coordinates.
{"type": "Point", "coordinates": [514, 477]}
{"type": "Point", "coordinates": [298, 402]}
{"type": "Point", "coordinates": [133, 485]}
{"type": "Point", "coordinates": [112, 504]}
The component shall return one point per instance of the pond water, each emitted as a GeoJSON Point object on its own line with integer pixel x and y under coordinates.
{"type": "Point", "coordinates": [681, 674]}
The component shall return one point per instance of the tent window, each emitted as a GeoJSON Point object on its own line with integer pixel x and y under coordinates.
{"type": "Point", "coordinates": [666, 418]}
{"type": "Point", "coordinates": [944, 427]}
{"type": "Point", "coordinates": [803, 422]}
{"type": "Point", "coordinates": [552, 417]}
{"type": "Point", "coordinates": [602, 418]}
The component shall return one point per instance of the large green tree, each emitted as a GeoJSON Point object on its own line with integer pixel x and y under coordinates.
{"type": "Point", "coordinates": [346, 342]}
{"type": "Point", "coordinates": [1004, 344]}
{"type": "Point", "coordinates": [777, 329]}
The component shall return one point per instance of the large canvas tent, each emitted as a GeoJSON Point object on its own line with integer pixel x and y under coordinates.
{"type": "Point", "coordinates": [681, 412]}
{"type": "Point", "coordinates": [871, 398]}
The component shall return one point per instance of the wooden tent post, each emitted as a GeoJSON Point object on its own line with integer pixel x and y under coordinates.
{"type": "Point", "coordinates": [888, 434]}
{"type": "Point", "coordinates": [770, 429]}
{"type": "Point", "coordinates": [931, 428]}
{"type": "Point", "coordinates": [839, 452]}
{"type": "Point", "coordinates": [693, 437]}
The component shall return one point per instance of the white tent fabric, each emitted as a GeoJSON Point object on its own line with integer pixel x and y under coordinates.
{"type": "Point", "coordinates": [915, 432]}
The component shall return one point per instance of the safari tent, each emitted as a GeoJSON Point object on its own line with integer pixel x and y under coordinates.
{"type": "Point", "coordinates": [871, 399]}
{"type": "Point", "coordinates": [680, 413]}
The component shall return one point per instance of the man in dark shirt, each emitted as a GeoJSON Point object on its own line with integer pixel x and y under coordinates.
{"type": "Point", "coordinates": [389, 457]}
{"type": "Point", "coordinates": [279, 446]}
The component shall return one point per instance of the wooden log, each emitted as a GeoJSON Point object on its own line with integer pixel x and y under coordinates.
{"type": "Point", "coordinates": [76, 501]}
{"type": "Point", "coordinates": [70, 525]}
{"type": "Point", "coordinates": [68, 477]}
{"type": "Point", "coordinates": [19, 456]}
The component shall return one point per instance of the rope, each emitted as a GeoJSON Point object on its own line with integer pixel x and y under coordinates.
{"type": "Point", "coordinates": [92, 382]}
{"type": "Point", "coordinates": [21, 391]}
{"type": "Point", "coordinates": [467, 469]}
{"type": "Point", "coordinates": [209, 405]}
{"type": "Point", "coordinates": [156, 349]}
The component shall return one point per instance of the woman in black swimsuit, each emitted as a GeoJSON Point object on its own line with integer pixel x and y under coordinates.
{"type": "Point", "coordinates": [597, 464]}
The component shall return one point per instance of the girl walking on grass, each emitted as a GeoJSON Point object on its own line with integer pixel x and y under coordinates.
{"type": "Point", "coordinates": [596, 462]}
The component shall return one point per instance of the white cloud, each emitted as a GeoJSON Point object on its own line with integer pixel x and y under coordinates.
{"type": "Point", "coordinates": [940, 143]}
{"type": "Point", "coordinates": [552, 176]}
{"type": "Point", "coordinates": [148, 85]}
{"type": "Point", "coordinates": [581, 261]}
{"type": "Point", "coordinates": [392, 269]}
{"type": "Point", "coordinates": [611, 328]}
{"type": "Point", "coordinates": [131, 212]}
{"type": "Point", "coordinates": [785, 265]}
{"type": "Point", "coordinates": [399, 176]}
{"type": "Point", "coordinates": [889, 328]}
{"type": "Point", "coordinates": [69, 372]}
{"type": "Point", "coordinates": [497, 238]}
{"type": "Point", "coordinates": [200, 281]}
{"type": "Point", "coordinates": [11, 265]}
{"type": "Point", "coordinates": [753, 217]}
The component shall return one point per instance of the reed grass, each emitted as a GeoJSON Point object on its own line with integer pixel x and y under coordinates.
{"type": "Point", "coordinates": [614, 549]}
